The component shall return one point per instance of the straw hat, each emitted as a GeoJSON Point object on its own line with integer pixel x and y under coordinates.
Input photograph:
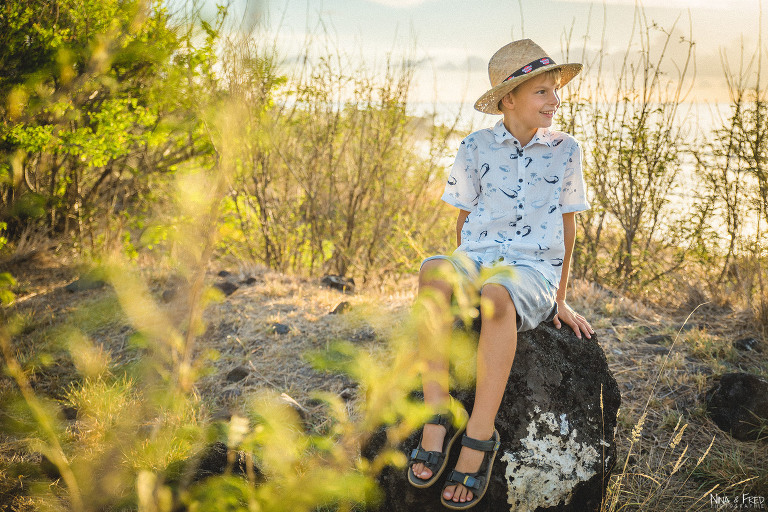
{"type": "Point", "coordinates": [515, 63]}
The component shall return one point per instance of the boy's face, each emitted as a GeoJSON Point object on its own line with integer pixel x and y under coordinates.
{"type": "Point", "coordinates": [532, 104]}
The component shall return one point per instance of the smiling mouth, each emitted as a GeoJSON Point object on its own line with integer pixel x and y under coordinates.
{"type": "Point", "coordinates": [548, 112]}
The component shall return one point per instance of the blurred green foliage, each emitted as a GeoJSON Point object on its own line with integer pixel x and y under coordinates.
{"type": "Point", "coordinates": [6, 283]}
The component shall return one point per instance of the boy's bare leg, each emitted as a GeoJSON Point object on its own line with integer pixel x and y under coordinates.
{"type": "Point", "coordinates": [434, 334]}
{"type": "Point", "coordinates": [495, 353]}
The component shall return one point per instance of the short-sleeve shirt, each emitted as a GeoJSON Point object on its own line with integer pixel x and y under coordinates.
{"type": "Point", "coordinates": [516, 197]}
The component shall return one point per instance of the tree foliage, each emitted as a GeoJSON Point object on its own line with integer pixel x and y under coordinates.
{"type": "Point", "coordinates": [98, 105]}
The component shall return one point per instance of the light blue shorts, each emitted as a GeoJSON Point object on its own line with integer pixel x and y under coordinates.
{"type": "Point", "coordinates": [532, 294]}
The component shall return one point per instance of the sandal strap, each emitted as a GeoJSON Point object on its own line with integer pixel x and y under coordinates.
{"type": "Point", "coordinates": [444, 420]}
{"type": "Point", "coordinates": [429, 458]}
{"type": "Point", "coordinates": [472, 481]}
{"type": "Point", "coordinates": [490, 445]}
{"type": "Point", "coordinates": [433, 459]}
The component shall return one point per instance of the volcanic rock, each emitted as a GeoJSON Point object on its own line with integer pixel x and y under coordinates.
{"type": "Point", "coordinates": [738, 404]}
{"type": "Point", "coordinates": [557, 422]}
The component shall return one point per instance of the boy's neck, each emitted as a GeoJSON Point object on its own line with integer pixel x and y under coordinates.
{"type": "Point", "coordinates": [521, 133]}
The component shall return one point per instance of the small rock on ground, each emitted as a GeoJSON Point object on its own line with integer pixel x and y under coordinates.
{"type": "Point", "coordinates": [238, 374]}
{"type": "Point", "coordinates": [279, 328]}
{"type": "Point", "coordinates": [69, 412]}
{"type": "Point", "coordinates": [341, 283]}
{"type": "Point", "coordinates": [746, 344]}
{"type": "Point", "coordinates": [341, 307]}
{"type": "Point", "coordinates": [226, 287]}
{"type": "Point", "coordinates": [658, 339]}
{"type": "Point", "coordinates": [85, 283]}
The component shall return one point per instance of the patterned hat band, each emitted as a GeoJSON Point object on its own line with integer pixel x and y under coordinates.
{"type": "Point", "coordinates": [544, 61]}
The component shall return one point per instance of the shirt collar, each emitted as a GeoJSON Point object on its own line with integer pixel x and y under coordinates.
{"type": "Point", "coordinates": [500, 132]}
{"type": "Point", "coordinates": [543, 136]}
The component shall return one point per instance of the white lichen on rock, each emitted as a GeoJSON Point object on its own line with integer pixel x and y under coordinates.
{"type": "Point", "coordinates": [549, 465]}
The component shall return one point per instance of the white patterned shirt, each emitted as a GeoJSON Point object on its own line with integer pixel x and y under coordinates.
{"type": "Point", "coordinates": [516, 197]}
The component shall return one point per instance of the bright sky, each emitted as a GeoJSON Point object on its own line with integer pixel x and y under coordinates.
{"type": "Point", "coordinates": [452, 40]}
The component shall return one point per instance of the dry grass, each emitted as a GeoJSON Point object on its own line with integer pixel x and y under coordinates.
{"type": "Point", "coordinates": [664, 383]}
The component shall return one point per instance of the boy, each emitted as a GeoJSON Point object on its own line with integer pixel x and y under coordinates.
{"type": "Point", "coordinates": [517, 187]}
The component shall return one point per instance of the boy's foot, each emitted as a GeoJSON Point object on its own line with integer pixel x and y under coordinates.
{"type": "Point", "coordinates": [431, 440]}
{"type": "Point", "coordinates": [467, 483]}
{"type": "Point", "coordinates": [469, 462]}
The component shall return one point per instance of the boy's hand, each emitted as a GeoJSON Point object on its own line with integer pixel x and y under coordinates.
{"type": "Point", "coordinates": [577, 322]}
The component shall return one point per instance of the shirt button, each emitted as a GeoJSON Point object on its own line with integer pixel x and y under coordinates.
{"type": "Point", "coordinates": [518, 232]}
{"type": "Point", "coordinates": [519, 206]}
{"type": "Point", "coordinates": [520, 180]}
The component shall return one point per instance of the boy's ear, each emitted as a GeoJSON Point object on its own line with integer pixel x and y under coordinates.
{"type": "Point", "coordinates": [507, 101]}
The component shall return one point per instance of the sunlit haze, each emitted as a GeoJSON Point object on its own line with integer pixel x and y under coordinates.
{"type": "Point", "coordinates": [450, 41]}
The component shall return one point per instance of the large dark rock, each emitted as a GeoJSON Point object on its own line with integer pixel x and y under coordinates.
{"type": "Point", "coordinates": [557, 443]}
{"type": "Point", "coordinates": [738, 404]}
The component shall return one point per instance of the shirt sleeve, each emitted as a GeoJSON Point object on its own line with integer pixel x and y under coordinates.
{"type": "Point", "coordinates": [573, 197]}
{"type": "Point", "coordinates": [462, 189]}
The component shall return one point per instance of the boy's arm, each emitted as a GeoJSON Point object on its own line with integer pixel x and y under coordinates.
{"type": "Point", "coordinates": [577, 322]}
{"type": "Point", "coordinates": [459, 223]}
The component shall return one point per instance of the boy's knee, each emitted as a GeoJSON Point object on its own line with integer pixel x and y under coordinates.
{"type": "Point", "coordinates": [435, 271]}
{"type": "Point", "coordinates": [498, 298]}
